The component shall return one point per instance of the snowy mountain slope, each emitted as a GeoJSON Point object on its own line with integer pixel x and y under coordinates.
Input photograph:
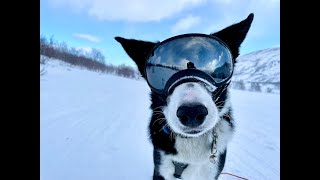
{"type": "Point", "coordinates": [261, 66]}
{"type": "Point", "coordinates": [94, 126]}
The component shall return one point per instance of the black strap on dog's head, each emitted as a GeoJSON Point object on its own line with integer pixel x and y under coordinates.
{"type": "Point", "coordinates": [217, 93]}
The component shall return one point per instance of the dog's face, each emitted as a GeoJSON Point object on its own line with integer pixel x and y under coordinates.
{"type": "Point", "coordinates": [190, 109]}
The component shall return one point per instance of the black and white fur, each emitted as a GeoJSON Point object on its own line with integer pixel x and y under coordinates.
{"type": "Point", "coordinates": [180, 145]}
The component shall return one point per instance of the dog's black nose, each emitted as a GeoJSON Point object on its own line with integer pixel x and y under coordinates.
{"type": "Point", "coordinates": [192, 115]}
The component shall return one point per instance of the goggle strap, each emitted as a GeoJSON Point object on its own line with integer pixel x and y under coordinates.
{"type": "Point", "coordinates": [207, 84]}
{"type": "Point", "coordinates": [220, 90]}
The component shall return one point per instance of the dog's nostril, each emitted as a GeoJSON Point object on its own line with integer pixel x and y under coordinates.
{"type": "Point", "coordinates": [184, 118]}
{"type": "Point", "coordinates": [200, 117]}
{"type": "Point", "coordinates": [202, 112]}
{"type": "Point", "coordinates": [192, 115]}
{"type": "Point", "coordinates": [182, 114]}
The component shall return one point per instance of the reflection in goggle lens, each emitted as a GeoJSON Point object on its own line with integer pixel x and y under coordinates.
{"type": "Point", "coordinates": [192, 51]}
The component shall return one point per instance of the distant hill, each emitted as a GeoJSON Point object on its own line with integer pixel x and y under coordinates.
{"type": "Point", "coordinates": [258, 71]}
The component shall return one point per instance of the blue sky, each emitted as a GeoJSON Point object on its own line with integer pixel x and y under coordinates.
{"type": "Point", "coordinates": [94, 23]}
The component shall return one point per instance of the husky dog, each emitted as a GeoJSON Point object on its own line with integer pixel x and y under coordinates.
{"type": "Point", "coordinates": [192, 119]}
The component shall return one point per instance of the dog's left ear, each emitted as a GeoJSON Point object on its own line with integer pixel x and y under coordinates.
{"type": "Point", "coordinates": [137, 50]}
{"type": "Point", "coordinates": [234, 35]}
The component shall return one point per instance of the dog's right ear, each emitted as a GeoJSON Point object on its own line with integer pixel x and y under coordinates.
{"type": "Point", "coordinates": [137, 50]}
{"type": "Point", "coordinates": [234, 35]}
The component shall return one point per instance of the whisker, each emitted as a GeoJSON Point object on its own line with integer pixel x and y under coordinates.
{"type": "Point", "coordinates": [160, 121]}
{"type": "Point", "coordinates": [158, 107]}
{"type": "Point", "coordinates": [220, 103]}
{"type": "Point", "coordinates": [162, 99]}
{"type": "Point", "coordinates": [157, 111]}
{"type": "Point", "coordinates": [227, 115]}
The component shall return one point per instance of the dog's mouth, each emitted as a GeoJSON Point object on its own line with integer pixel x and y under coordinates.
{"type": "Point", "coordinates": [193, 132]}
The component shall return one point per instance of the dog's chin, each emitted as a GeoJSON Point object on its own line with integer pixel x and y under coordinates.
{"type": "Point", "coordinates": [191, 132]}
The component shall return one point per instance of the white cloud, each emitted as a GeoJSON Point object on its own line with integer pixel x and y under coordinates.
{"type": "Point", "coordinates": [87, 37]}
{"type": "Point", "coordinates": [185, 24]}
{"type": "Point", "coordinates": [139, 11]}
{"type": "Point", "coordinates": [223, 1]}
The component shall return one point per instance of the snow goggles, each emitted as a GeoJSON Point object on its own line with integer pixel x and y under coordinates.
{"type": "Point", "coordinates": [189, 58]}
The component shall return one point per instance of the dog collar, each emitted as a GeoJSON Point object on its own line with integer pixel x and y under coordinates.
{"type": "Point", "coordinates": [166, 130]}
{"type": "Point", "coordinates": [180, 167]}
{"type": "Point", "coordinates": [213, 156]}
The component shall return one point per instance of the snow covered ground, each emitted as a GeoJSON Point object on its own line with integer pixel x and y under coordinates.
{"type": "Point", "coordinates": [94, 127]}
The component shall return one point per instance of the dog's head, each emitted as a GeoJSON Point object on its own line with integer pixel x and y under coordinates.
{"type": "Point", "coordinates": [190, 108]}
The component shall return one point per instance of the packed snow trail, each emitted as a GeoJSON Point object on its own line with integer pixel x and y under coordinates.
{"type": "Point", "coordinates": [94, 127]}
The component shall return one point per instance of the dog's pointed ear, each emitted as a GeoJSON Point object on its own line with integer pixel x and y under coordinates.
{"type": "Point", "coordinates": [137, 50]}
{"type": "Point", "coordinates": [234, 35]}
